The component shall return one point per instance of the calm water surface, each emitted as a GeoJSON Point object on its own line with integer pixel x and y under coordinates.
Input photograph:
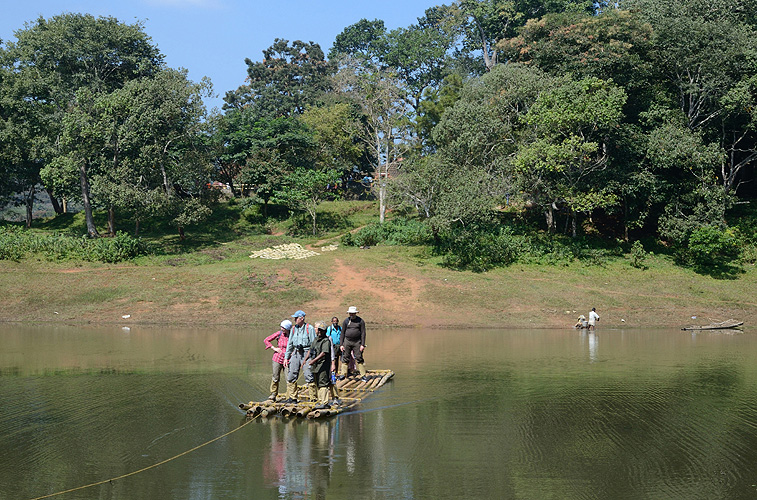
{"type": "Point", "coordinates": [521, 414]}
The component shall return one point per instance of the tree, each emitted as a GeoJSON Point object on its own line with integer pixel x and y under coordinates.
{"type": "Point", "coordinates": [285, 82]}
{"type": "Point", "coordinates": [571, 124]}
{"type": "Point", "coordinates": [380, 100]}
{"type": "Point", "coordinates": [137, 145]}
{"type": "Point", "coordinates": [707, 54]}
{"type": "Point", "coordinates": [477, 139]}
{"type": "Point", "coordinates": [265, 149]}
{"type": "Point", "coordinates": [59, 61]}
{"type": "Point", "coordinates": [305, 189]}
{"type": "Point", "coordinates": [336, 137]}
{"type": "Point", "coordinates": [613, 44]}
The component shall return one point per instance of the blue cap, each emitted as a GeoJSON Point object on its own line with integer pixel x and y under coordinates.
{"type": "Point", "coordinates": [299, 314]}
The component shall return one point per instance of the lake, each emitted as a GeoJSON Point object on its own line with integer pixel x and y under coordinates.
{"type": "Point", "coordinates": [479, 413]}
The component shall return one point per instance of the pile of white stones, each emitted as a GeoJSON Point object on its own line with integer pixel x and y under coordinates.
{"type": "Point", "coordinates": [329, 248]}
{"type": "Point", "coordinates": [287, 251]}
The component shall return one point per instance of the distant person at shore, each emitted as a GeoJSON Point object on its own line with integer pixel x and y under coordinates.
{"type": "Point", "coordinates": [300, 338]}
{"type": "Point", "coordinates": [352, 343]}
{"type": "Point", "coordinates": [282, 338]}
{"type": "Point", "coordinates": [581, 322]}
{"type": "Point", "coordinates": [593, 318]}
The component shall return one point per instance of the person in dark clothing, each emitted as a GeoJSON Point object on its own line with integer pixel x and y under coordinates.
{"type": "Point", "coordinates": [352, 343]}
{"type": "Point", "coordinates": [320, 359]}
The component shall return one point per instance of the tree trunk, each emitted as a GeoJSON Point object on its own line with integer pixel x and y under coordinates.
{"type": "Point", "coordinates": [29, 206]}
{"type": "Point", "coordinates": [54, 202]}
{"type": "Point", "coordinates": [550, 218]}
{"type": "Point", "coordinates": [382, 198]}
{"type": "Point", "coordinates": [136, 228]}
{"type": "Point", "coordinates": [575, 224]}
{"type": "Point", "coordinates": [65, 205]}
{"type": "Point", "coordinates": [111, 221]}
{"type": "Point", "coordinates": [166, 185]}
{"type": "Point", "coordinates": [181, 233]}
{"type": "Point", "coordinates": [91, 229]}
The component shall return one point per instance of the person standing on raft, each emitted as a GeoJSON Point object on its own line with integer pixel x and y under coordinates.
{"type": "Point", "coordinates": [321, 359]}
{"type": "Point", "coordinates": [300, 338]}
{"type": "Point", "coordinates": [281, 337]}
{"type": "Point", "coordinates": [352, 342]}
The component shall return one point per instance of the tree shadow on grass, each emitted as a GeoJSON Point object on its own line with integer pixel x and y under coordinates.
{"type": "Point", "coordinates": [720, 271]}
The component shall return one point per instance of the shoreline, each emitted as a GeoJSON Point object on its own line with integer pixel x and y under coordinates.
{"type": "Point", "coordinates": [392, 287]}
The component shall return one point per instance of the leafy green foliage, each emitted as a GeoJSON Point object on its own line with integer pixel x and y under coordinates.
{"type": "Point", "coordinates": [16, 244]}
{"type": "Point", "coordinates": [710, 246]}
{"type": "Point", "coordinates": [285, 82]}
{"type": "Point", "coordinates": [392, 232]}
{"type": "Point", "coordinates": [638, 255]}
{"type": "Point", "coordinates": [480, 250]}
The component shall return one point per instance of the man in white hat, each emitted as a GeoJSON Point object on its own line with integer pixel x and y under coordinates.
{"type": "Point", "coordinates": [352, 343]}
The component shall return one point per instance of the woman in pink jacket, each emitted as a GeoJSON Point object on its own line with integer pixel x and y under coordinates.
{"type": "Point", "coordinates": [281, 337]}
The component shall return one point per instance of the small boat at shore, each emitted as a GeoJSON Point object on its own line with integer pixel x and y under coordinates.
{"type": "Point", "coordinates": [723, 325]}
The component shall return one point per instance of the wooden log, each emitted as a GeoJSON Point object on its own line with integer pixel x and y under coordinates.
{"type": "Point", "coordinates": [254, 410]}
{"type": "Point", "coordinates": [269, 411]}
{"type": "Point", "coordinates": [288, 410]}
{"type": "Point", "coordinates": [385, 378]}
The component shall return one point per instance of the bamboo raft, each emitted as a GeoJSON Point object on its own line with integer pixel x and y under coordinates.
{"type": "Point", "coordinates": [723, 325]}
{"type": "Point", "coordinates": [352, 391]}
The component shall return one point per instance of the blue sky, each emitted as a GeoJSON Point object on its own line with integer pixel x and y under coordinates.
{"type": "Point", "coordinates": [213, 37]}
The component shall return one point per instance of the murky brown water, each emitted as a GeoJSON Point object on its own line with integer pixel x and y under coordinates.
{"type": "Point", "coordinates": [470, 414]}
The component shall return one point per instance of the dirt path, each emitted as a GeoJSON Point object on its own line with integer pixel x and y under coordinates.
{"type": "Point", "coordinates": [397, 299]}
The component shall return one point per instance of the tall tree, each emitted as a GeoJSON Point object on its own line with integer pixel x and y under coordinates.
{"type": "Point", "coordinates": [56, 59]}
{"type": "Point", "coordinates": [381, 101]}
{"type": "Point", "coordinates": [572, 125]}
{"type": "Point", "coordinates": [707, 54]}
{"type": "Point", "coordinates": [285, 82]}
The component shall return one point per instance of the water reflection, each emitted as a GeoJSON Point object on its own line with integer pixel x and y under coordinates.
{"type": "Point", "coordinates": [474, 414]}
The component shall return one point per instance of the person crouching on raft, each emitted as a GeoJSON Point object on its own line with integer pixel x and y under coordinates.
{"type": "Point", "coordinates": [300, 338]}
{"type": "Point", "coordinates": [281, 337]}
{"type": "Point", "coordinates": [352, 342]}
{"type": "Point", "coordinates": [320, 358]}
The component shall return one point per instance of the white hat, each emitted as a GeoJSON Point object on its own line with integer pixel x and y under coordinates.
{"type": "Point", "coordinates": [286, 324]}
{"type": "Point", "coordinates": [352, 309]}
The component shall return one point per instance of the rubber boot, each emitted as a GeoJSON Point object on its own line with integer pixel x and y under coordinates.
{"type": "Point", "coordinates": [334, 395]}
{"type": "Point", "coordinates": [274, 390]}
{"type": "Point", "coordinates": [342, 371]}
{"type": "Point", "coordinates": [362, 370]}
{"type": "Point", "coordinates": [291, 392]}
{"type": "Point", "coordinates": [323, 396]}
{"type": "Point", "coordinates": [313, 391]}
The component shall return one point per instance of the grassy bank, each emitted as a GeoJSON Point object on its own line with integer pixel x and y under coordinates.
{"type": "Point", "coordinates": [212, 281]}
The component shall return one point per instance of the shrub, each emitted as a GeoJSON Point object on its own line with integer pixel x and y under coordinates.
{"type": "Point", "coordinates": [638, 255]}
{"type": "Point", "coordinates": [393, 232]}
{"type": "Point", "coordinates": [480, 250]}
{"type": "Point", "coordinates": [15, 244]}
{"type": "Point", "coordinates": [710, 246]}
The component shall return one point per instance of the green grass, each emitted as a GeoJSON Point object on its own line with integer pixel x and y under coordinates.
{"type": "Point", "coordinates": [210, 279]}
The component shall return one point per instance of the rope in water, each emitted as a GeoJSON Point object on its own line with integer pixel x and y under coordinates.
{"type": "Point", "coordinates": [146, 468]}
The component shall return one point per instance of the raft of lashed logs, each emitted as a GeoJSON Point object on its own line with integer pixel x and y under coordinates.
{"type": "Point", "coordinates": [352, 391]}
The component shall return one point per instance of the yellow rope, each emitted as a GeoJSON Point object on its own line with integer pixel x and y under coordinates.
{"type": "Point", "coordinates": [146, 468]}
